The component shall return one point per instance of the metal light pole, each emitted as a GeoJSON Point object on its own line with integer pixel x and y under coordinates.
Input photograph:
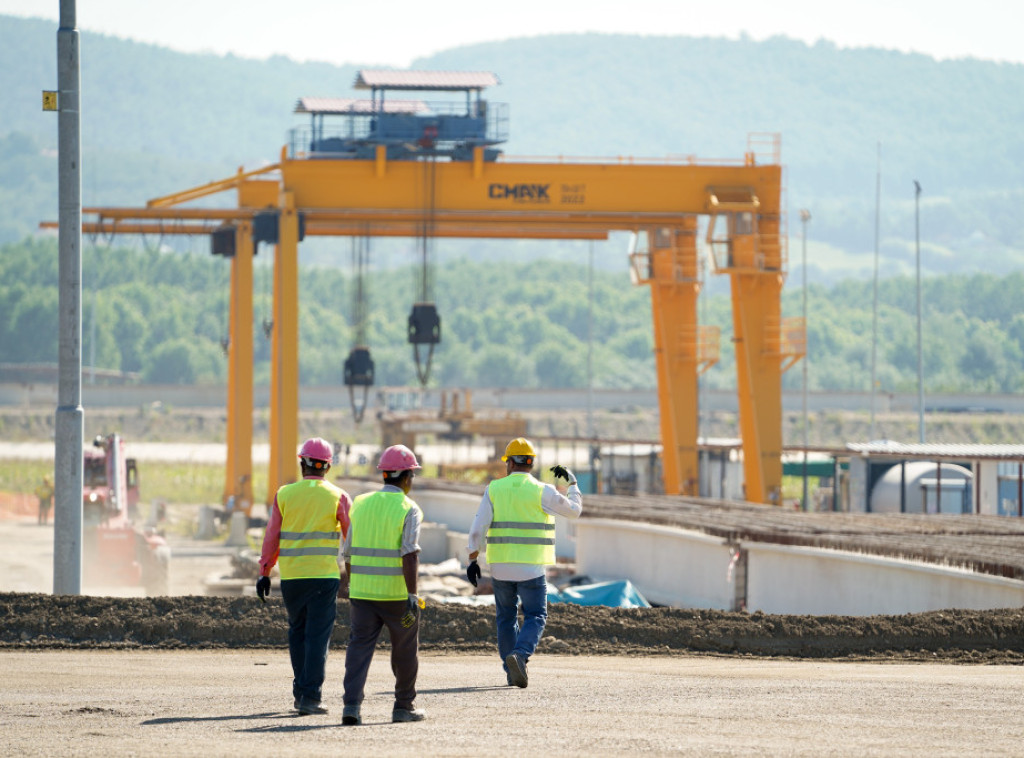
{"type": "Point", "coordinates": [69, 427]}
{"type": "Point", "coordinates": [920, 361]}
{"type": "Point", "coordinates": [805, 216]}
{"type": "Point", "coordinates": [874, 306]}
{"type": "Point", "coordinates": [590, 342]}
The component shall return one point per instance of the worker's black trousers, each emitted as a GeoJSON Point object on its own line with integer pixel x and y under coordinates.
{"type": "Point", "coordinates": [312, 606]}
{"type": "Point", "coordinates": [367, 619]}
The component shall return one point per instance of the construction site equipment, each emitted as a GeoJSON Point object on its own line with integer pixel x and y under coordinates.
{"type": "Point", "coordinates": [116, 550]}
{"type": "Point", "coordinates": [374, 185]}
{"type": "Point", "coordinates": [406, 129]}
{"type": "Point", "coordinates": [454, 421]}
{"type": "Point", "coordinates": [359, 368]}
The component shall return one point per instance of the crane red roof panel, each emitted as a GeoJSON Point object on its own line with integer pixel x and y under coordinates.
{"type": "Point", "coordinates": [340, 105]}
{"type": "Point", "coordinates": [427, 80]}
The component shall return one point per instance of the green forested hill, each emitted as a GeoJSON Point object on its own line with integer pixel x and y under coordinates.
{"type": "Point", "coordinates": [516, 324]}
{"type": "Point", "coordinates": [155, 121]}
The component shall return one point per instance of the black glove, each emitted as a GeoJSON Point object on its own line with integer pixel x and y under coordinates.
{"type": "Point", "coordinates": [263, 588]}
{"type": "Point", "coordinates": [561, 472]}
{"type": "Point", "coordinates": [473, 572]}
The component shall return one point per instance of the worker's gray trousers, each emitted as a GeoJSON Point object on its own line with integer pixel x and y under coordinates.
{"type": "Point", "coordinates": [367, 618]}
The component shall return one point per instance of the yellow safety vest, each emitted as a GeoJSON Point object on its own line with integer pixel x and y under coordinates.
{"type": "Point", "coordinates": [520, 532]}
{"type": "Point", "coordinates": [310, 532]}
{"type": "Point", "coordinates": [375, 553]}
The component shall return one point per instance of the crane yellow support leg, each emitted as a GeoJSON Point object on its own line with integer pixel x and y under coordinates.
{"type": "Point", "coordinates": [756, 277]}
{"type": "Point", "coordinates": [675, 286]}
{"type": "Point", "coordinates": [284, 360]}
{"type": "Point", "coordinates": [238, 471]}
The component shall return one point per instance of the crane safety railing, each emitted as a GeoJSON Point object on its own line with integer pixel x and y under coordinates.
{"type": "Point", "coordinates": [445, 123]}
{"type": "Point", "coordinates": [685, 261]}
{"type": "Point", "coordinates": [786, 339]}
{"type": "Point", "coordinates": [699, 344]}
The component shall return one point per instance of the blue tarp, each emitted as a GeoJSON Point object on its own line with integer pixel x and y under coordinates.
{"type": "Point", "coordinates": [620, 594]}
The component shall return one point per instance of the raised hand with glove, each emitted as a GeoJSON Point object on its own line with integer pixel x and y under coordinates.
{"type": "Point", "coordinates": [563, 472]}
{"type": "Point", "coordinates": [263, 588]}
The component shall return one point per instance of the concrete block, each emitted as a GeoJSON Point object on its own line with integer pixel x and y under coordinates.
{"type": "Point", "coordinates": [207, 527]}
{"type": "Point", "coordinates": [433, 543]}
{"type": "Point", "coordinates": [239, 524]}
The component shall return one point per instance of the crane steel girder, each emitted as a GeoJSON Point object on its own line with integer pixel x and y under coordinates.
{"type": "Point", "coordinates": [608, 195]}
{"type": "Point", "coordinates": [560, 199]}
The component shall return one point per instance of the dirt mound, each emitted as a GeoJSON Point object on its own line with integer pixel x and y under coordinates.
{"type": "Point", "coordinates": [47, 621]}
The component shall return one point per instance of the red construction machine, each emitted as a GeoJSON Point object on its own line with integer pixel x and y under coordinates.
{"type": "Point", "coordinates": [116, 551]}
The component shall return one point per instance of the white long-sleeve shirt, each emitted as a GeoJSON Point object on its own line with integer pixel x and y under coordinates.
{"type": "Point", "coordinates": [553, 502]}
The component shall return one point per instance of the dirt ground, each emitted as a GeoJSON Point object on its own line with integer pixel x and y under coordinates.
{"type": "Point", "coordinates": [193, 675]}
{"type": "Point", "coordinates": [230, 703]}
{"type": "Point", "coordinates": [119, 617]}
{"type": "Point", "coordinates": [39, 621]}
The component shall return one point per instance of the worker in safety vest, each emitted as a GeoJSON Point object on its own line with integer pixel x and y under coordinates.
{"type": "Point", "coordinates": [45, 494]}
{"type": "Point", "coordinates": [517, 515]}
{"type": "Point", "coordinates": [307, 522]}
{"type": "Point", "coordinates": [381, 554]}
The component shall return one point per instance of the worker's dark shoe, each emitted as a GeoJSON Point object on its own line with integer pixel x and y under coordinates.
{"type": "Point", "coordinates": [408, 714]}
{"type": "Point", "coordinates": [350, 716]}
{"type": "Point", "coordinates": [297, 703]}
{"type": "Point", "coordinates": [309, 707]}
{"type": "Point", "coordinates": [517, 670]}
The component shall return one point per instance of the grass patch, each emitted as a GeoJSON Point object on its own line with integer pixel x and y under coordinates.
{"type": "Point", "coordinates": [793, 487]}
{"type": "Point", "coordinates": [191, 483]}
{"type": "Point", "coordinates": [23, 476]}
{"type": "Point", "coordinates": [158, 481]}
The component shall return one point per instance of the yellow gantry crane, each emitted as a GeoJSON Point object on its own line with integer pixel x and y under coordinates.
{"type": "Point", "coordinates": [391, 163]}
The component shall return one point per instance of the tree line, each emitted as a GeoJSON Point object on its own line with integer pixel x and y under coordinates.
{"type": "Point", "coordinates": [534, 324]}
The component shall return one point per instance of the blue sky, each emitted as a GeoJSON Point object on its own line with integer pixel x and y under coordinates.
{"type": "Point", "coordinates": [395, 32]}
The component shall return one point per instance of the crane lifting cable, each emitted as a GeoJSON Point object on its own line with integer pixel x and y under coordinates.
{"type": "Point", "coordinates": [222, 242]}
{"type": "Point", "coordinates": [225, 321]}
{"type": "Point", "coordinates": [268, 318]}
{"type": "Point", "coordinates": [359, 364]}
{"type": "Point", "coordinates": [424, 321]}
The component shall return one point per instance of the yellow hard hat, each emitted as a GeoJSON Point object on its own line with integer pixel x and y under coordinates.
{"type": "Point", "coordinates": [518, 446]}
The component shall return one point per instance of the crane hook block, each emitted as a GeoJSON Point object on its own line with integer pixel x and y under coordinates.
{"type": "Point", "coordinates": [359, 368]}
{"type": "Point", "coordinates": [424, 324]}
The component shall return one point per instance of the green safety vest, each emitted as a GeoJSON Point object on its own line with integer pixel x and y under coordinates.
{"type": "Point", "coordinates": [375, 554]}
{"type": "Point", "coordinates": [310, 532]}
{"type": "Point", "coordinates": [520, 532]}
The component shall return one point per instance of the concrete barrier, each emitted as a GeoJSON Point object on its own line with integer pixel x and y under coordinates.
{"type": "Point", "coordinates": [803, 580]}
{"type": "Point", "coordinates": [682, 568]}
{"type": "Point", "coordinates": [670, 566]}
{"type": "Point", "coordinates": [21, 394]}
{"type": "Point", "coordinates": [456, 509]}
{"type": "Point", "coordinates": [433, 543]}
{"type": "Point", "coordinates": [238, 536]}
{"type": "Point", "coordinates": [207, 526]}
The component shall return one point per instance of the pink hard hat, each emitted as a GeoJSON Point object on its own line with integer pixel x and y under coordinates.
{"type": "Point", "coordinates": [317, 448]}
{"type": "Point", "coordinates": [398, 458]}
